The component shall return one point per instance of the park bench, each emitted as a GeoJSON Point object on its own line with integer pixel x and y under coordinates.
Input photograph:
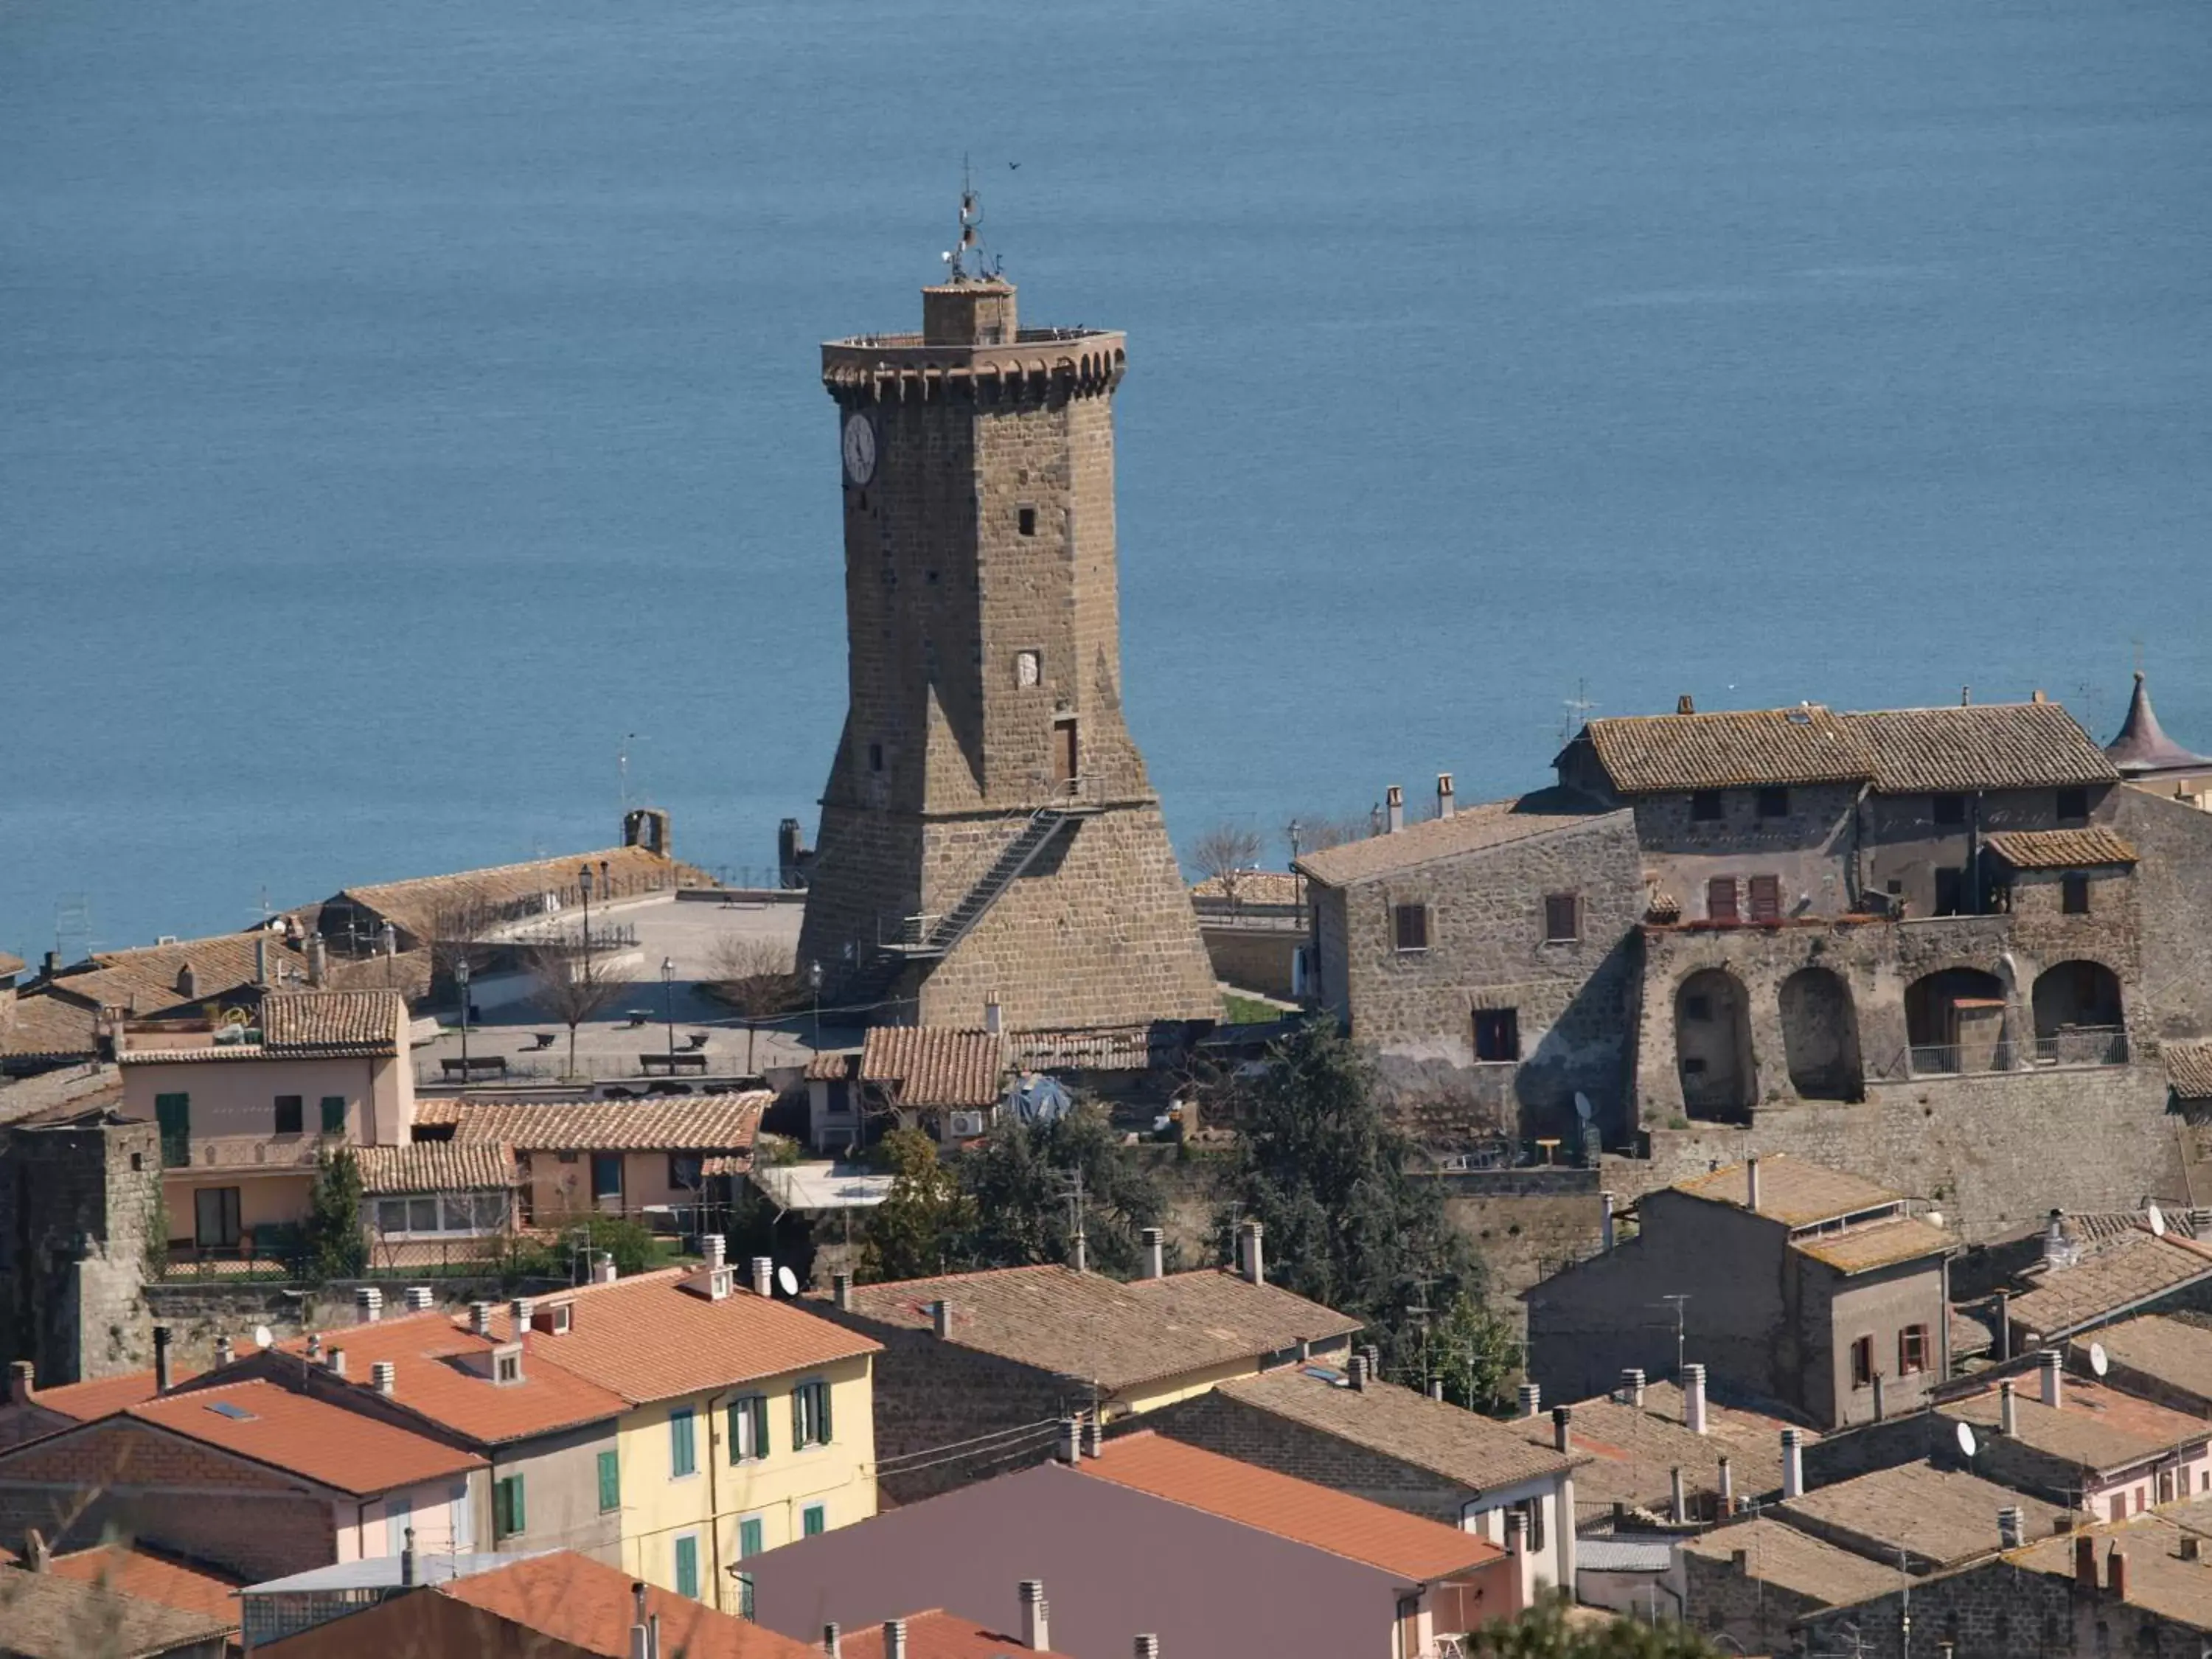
{"type": "Point", "coordinates": [681, 1060]}
{"type": "Point", "coordinates": [489, 1065]}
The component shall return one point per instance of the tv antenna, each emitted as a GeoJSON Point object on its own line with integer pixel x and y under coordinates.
{"type": "Point", "coordinates": [1578, 708]}
{"type": "Point", "coordinates": [966, 261]}
{"type": "Point", "coordinates": [1677, 1299]}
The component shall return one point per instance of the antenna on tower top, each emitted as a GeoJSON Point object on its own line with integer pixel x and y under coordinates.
{"type": "Point", "coordinates": [967, 262]}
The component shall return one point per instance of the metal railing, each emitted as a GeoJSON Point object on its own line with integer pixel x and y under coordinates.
{"type": "Point", "coordinates": [1957, 1060]}
{"type": "Point", "coordinates": [2086, 1045]}
{"type": "Point", "coordinates": [558, 935]}
{"type": "Point", "coordinates": [2083, 1045]}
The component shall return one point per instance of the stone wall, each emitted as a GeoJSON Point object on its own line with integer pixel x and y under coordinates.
{"type": "Point", "coordinates": [1236, 1430]}
{"type": "Point", "coordinates": [79, 1202]}
{"type": "Point", "coordinates": [1805, 849]}
{"type": "Point", "coordinates": [2000, 1611]}
{"type": "Point", "coordinates": [1254, 958]}
{"type": "Point", "coordinates": [1721, 1599]}
{"type": "Point", "coordinates": [2174, 898]}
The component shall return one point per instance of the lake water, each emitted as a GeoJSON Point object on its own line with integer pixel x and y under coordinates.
{"type": "Point", "coordinates": [402, 404]}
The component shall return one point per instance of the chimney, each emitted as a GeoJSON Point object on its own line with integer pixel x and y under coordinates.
{"type": "Point", "coordinates": [1740, 1560]}
{"type": "Point", "coordinates": [188, 983]}
{"type": "Point", "coordinates": [2116, 1573]}
{"type": "Point", "coordinates": [640, 1634]}
{"type": "Point", "coordinates": [419, 1299]}
{"type": "Point", "coordinates": [1148, 1647]}
{"type": "Point", "coordinates": [1793, 1463]}
{"type": "Point", "coordinates": [53, 966]}
{"type": "Point", "coordinates": [894, 1638]}
{"type": "Point", "coordinates": [1694, 1398]}
{"type": "Point", "coordinates": [2085, 1563]}
{"type": "Point", "coordinates": [2054, 1238]}
{"type": "Point", "coordinates": [940, 1317]}
{"type": "Point", "coordinates": [715, 1248]}
{"type": "Point", "coordinates": [1685, 704]}
{"type": "Point", "coordinates": [763, 1276]}
{"type": "Point", "coordinates": [389, 940]}
{"type": "Point", "coordinates": [831, 1647]}
{"type": "Point", "coordinates": [1252, 1251]}
{"type": "Point", "coordinates": [1751, 1184]}
{"type": "Point", "coordinates": [1071, 1440]}
{"type": "Point", "coordinates": [314, 1347]}
{"type": "Point", "coordinates": [518, 1314]}
{"type": "Point", "coordinates": [603, 1269]}
{"type": "Point", "coordinates": [2050, 1359]}
{"type": "Point", "coordinates": [22, 1379]}
{"type": "Point", "coordinates": [1563, 1429]}
{"type": "Point", "coordinates": [1357, 1370]}
{"type": "Point", "coordinates": [224, 1353]}
{"type": "Point", "coordinates": [1530, 1397]}
{"type": "Point", "coordinates": [1393, 808]}
{"type": "Point", "coordinates": [1374, 1361]}
{"type": "Point", "coordinates": [1516, 1533]}
{"type": "Point", "coordinates": [368, 1305]}
{"type": "Point", "coordinates": [1036, 1620]}
{"type": "Point", "coordinates": [1079, 1251]}
{"type": "Point", "coordinates": [318, 960]}
{"type": "Point", "coordinates": [1725, 1485]}
{"type": "Point", "coordinates": [1436, 1387]}
{"type": "Point", "coordinates": [2011, 1527]}
{"type": "Point", "coordinates": [2004, 1327]}
{"type": "Point", "coordinates": [1678, 1506]}
{"type": "Point", "coordinates": [2192, 1547]}
{"type": "Point", "coordinates": [841, 1288]}
{"type": "Point", "coordinates": [480, 1318]}
{"type": "Point", "coordinates": [995, 1017]}
{"type": "Point", "coordinates": [38, 1552]}
{"type": "Point", "coordinates": [2008, 1411]}
{"type": "Point", "coordinates": [2038, 696]}
{"type": "Point", "coordinates": [1444, 802]}
{"type": "Point", "coordinates": [1155, 1241]}
{"type": "Point", "coordinates": [1604, 1223]}
{"type": "Point", "coordinates": [1881, 1398]}
{"type": "Point", "coordinates": [1093, 1436]}
{"type": "Point", "coordinates": [385, 1377]}
{"type": "Point", "coordinates": [1632, 1387]}
{"type": "Point", "coordinates": [261, 960]}
{"type": "Point", "coordinates": [162, 1359]}
{"type": "Point", "coordinates": [336, 1362]}
{"type": "Point", "coordinates": [407, 1560]}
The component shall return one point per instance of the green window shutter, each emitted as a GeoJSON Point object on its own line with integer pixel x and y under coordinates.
{"type": "Point", "coordinates": [815, 1521]}
{"type": "Point", "coordinates": [822, 1428]}
{"type": "Point", "coordinates": [609, 1481]}
{"type": "Point", "coordinates": [174, 1114]}
{"type": "Point", "coordinates": [749, 1537]}
{"type": "Point", "coordinates": [687, 1567]}
{"type": "Point", "coordinates": [799, 1416]}
{"type": "Point", "coordinates": [683, 1453]}
{"type": "Point", "coordinates": [333, 1114]}
{"type": "Point", "coordinates": [521, 1518]}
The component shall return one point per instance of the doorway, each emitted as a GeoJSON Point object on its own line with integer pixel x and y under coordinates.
{"type": "Point", "coordinates": [1066, 755]}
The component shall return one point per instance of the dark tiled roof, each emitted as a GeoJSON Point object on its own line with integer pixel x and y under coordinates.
{"type": "Point", "coordinates": [2189, 1069]}
{"type": "Point", "coordinates": [1256, 887]}
{"type": "Point", "coordinates": [1937, 1515]}
{"type": "Point", "coordinates": [2110, 1278]}
{"type": "Point", "coordinates": [1649, 754]}
{"type": "Point", "coordinates": [1110, 1048]}
{"type": "Point", "coordinates": [47, 1028]}
{"type": "Point", "coordinates": [578, 1606]}
{"type": "Point", "coordinates": [1778, 1554]}
{"type": "Point", "coordinates": [437, 1166]}
{"type": "Point", "coordinates": [1470, 829]}
{"type": "Point", "coordinates": [55, 1615]}
{"type": "Point", "coordinates": [2061, 849]}
{"type": "Point", "coordinates": [2097, 1427]}
{"type": "Point", "coordinates": [2142, 748]}
{"type": "Point", "coordinates": [1634, 1449]}
{"type": "Point", "coordinates": [1996, 745]}
{"type": "Point", "coordinates": [1794, 1191]}
{"type": "Point", "coordinates": [934, 1066]}
{"type": "Point", "coordinates": [357, 1022]}
{"type": "Point", "coordinates": [2171, 1350]}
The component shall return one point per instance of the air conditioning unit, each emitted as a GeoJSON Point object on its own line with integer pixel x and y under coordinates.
{"type": "Point", "coordinates": [966, 1126]}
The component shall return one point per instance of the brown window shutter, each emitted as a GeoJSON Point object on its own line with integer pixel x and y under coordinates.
{"type": "Point", "coordinates": [1766, 898]}
{"type": "Point", "coordinates": [1720, 899]}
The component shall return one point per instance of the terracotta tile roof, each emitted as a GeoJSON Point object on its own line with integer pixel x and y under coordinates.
{"type": "Point", "coordinates": [2060, 849]}
{"type": "Point", "coordinates": [146, 979]}
{"type": "Point", "coordinates": [646, 1338]}
{"type": "Point", "coordinates": [832, 1065]}
{"type": "Point", "coordinates": [1648, 754]}
{"type": "Point", "coordinates": [2172, 1350]}
{"type": "Point", "coordinates": [39, 1027]}
{"type": "Point", "coordinates": [1937, 1515]}
{"type": "Point", "coordinates": [103, 1396]}
{"type": "Point", "coordinates": [2109, 1279]}
{"type": "Point", "coordinates": [1993, 745]}
{"type": "Point", "coordinates": [1880, 1244]}
{"type": "Point", "coordinates": [1794, 1191]}
{"type": "Point", "coordinates": [326, 1443]}
{"type": "Point", "coordinates": [2189, 1070]}
{"type": "Point", "coordinates": [1778, 1554]}
{"type": "Point", "coordinates": [45, 1615]}
{"type": "Point", "coordinates": [1634, 1450]}
{"type": "Point", "coordinates": [437, 1166]}
{"type": "Point", "coordinates": [415, 906]}
{"type": "Point", "coordinates": [1401, 1424]}
{"type": "Point", "coordinates": [1112, 1048]}
{"type": "Point", "coordinates": [934, 1066]}
{"type": "Point", "coordinates": [937, 1634]}
{"type": "Point", "coordinates": [1117, 1335]}
{"type": "Point", "coordinates": [440, 1109]}
{"type": "Point", "coordinates": [362, 1022]}
{"type": "Point", "coordinates": [433, 1380]}
{"type": "Point", "coordinates": [2097, 1427]}
{"type": "Point", "coordinates": [154, 1576]}
{"type": "Point", "coordinates": [1471, 830]}
{"type": "Point", "coordinates": [573, 1599]}
{"type": "Point", "coordinates": [675, 1123]}
{"type": "Point", "coordinates": [1410, 1546]}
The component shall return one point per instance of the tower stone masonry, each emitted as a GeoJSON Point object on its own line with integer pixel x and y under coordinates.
{"type": "Point", "coordinates": [988, 833]}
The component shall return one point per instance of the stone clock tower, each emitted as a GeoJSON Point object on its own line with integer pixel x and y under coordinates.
{"type": "Point", "coordinates": [989, 833]}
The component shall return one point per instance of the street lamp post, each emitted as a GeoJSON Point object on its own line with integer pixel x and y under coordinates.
{"type": "Point", "coordinates": [461, 979]}
{"type": "Point", "coordinates": [814, 982]}
{"type": "Point", "coordinates": [668, 1006]}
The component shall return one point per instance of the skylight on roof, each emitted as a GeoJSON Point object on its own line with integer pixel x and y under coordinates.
{"type": "Point", "coordinates": [236, 1413]}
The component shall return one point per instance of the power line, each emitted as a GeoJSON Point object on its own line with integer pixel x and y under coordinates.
{"type": "Point", "coordinates": [955, 1445]}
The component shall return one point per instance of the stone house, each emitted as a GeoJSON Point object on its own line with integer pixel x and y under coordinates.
{"type": "Point", "coordinates": [1799, 1284]}
{"type": "Point", "coordinates": [2155, 1357]}
{"type": "Point", "coordinates": [1752, 1579]}
{"type": "Point", "coordinates": [2096, 1273]}
{"type": "Point", "coordinates": [2075, 1441]}
{"type": "Point", "coordinates": [1917, 1517]}
{"type": "Point", "coordinates": [1394, 1446]}
{"type": "Point", "coordinates": [946, 1081]}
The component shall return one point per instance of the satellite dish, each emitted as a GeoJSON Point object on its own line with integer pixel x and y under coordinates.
{"type": "Point", "coordinates": [2097, 1362]}
{"type": "Point", "coordinates": [262, 1339]}
{"type": "Point", "coordinates": [1966, 1441]}
{"type": "Point", "coordinates": [1583, 1109]}
{"type": "Point", "coordinates": [1933, 1218]}
{"type": "Point", "coordinates": [788, 1281]}
{"type": "Point", "coordinates": [2156, 1217]}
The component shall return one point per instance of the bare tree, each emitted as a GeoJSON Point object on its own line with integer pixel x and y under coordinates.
{"type": "Point", "coordinates": [755, 976]}
{"type": "Point", "coordinates": [574, 987]}
{"type": "Point", "coordinates": [1227, 854]}
{"type": "Point", "coordinates": [1318, 830]}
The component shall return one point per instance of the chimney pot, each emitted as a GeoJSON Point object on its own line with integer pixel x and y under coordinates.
{"type": "Point", "coordinates": [224, 1350]}
{"type": "Point", "coordinates": [2085, 1563]}
{"type": "Point", "coordinates": [1632, 1387]}
{"type": "Point", "coordinates": [1436, 1387]}
{"type": "Point", "coordinates": [368, 1305]}
{"type": "Point", "coordinates": [419, 1299]}
{"type": "Point", "coordinates": [1531, 1398]}
{"type": "Point", "coordinates": [894, 1638]}
{"type": "Point", "coordinates": [1078, 1253]}
{"type": "Point", "coordinates": [763, 1276]}
{"type": "Point", "coordinates": [2011, 1527]}
{"type": "Point", "coordinates": [1694, 1398]}
{"type": "Point", "coordinates": [715, 1248]}
{"type": "Point", "coordinates": [841, 1288]}
{"type": "Point", "coordinates": [1678, 1506]}
{"type": "Point", "coordinates": [1093, 1436]}
{"type": "Point", "coordinates": [2004, 1326]}
{"type": "Point", "coordinates": [518, 1313]}
{"type": "Point", "coordinates": [2116, 1572]}
{"type": "Point", "coordinates": [831, 1648]}
{"type": "Point", "coordinates": [1393, 808]}
{"type": "Point", "coordinates": [1148, 1647]}
{"type": "Point", "coordinates": [385, 1376]}
{"type": "Point", "coordinates": [22, 1381]}
{"type": "Point", "coordinates": [162, 1372]}
{"type": "Point", "coordinates": [940, 1317]}
{"type": "Point", "coordinates": [1155, 1241]}
{"type": "Point", "coordinates": [1357, 1370]}
{"type": "Point", "coordinates": [2050, 1359]}
{"type": "Point", "coordinates": [2008, 1412]}
{"type": "Point", "coordinates": [407, 1559]}
{"type": "Point", "coordinates": [336, 1362]}
{"type": "Point", "coordinates": [480, 1318]}
{"type": "Point", "coordinates": [1444, 799]}
{"type": "Point", "coordinates": [1751, 1184]}
{"type": "Point", "coordinates": [1037, 1629]}
{"type": "Point", "coordinates": [1254, 1257]}
{"type": "Point", "coordinates": [1070, 1439]}
{"type": "Point", "coordinates": [1725, 1485]}
{"type": "Point", "coordinates": [1563, 1428]}
{"type": "Point", "coordinates": [314, 1347]}
{"type": "Point", "coordinates": [640, 1631]}
{"type": "Point", "coordinates": [1793, 1463]}
{"type": "Point", "coordinates": [995, 1017]}
{"type": "Point", "coordinates": [1604, 1223]}
{"type": "Point", "coordinates": [2192, 1547]}
{"type": "Point", "coordinates": [1517, 1532]}
{"type": "Point", "coordinates": [1685, 704]}
{"type": "Point", "coordinates": [603, 1269]}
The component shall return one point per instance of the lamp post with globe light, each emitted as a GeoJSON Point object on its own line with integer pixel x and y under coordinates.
{"type": "Point", "coordinates": [461, 980]}
{"type": "Point", "coordinates": [668, 1006]}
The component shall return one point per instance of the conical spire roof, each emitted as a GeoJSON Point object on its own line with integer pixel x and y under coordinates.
{"type": "Point", "coordinates": [2142, 747]}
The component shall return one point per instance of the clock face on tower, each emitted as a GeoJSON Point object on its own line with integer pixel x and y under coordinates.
{"type": "Point", "coordinates": [859, 448]}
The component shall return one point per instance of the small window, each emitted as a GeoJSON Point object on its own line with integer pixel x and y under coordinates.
{"type": "Point", "coordinates": [813, 1521]}
{"type": "Point", "coordinates": [290, 1115]}
{"type": "Point", "coordinates": [687, 1565]}
{"type": "Point", "coordinates": [1912, 1350]}
{"type": "Point", "coordinates": [1766, 898]}
{"type": "Point", "coordinates": [1694, 1065]}
{"type": "Point", "coordinates": [749, 1429]}
{"type": "Point", "coordinates": [1863, 1362]}
{"type": "Point", "coordinates": [1533, 1509]}
{"type": "Point", "coordinates": [2073, 806]}
{"type": "Point", "coordinates": [1705, 806]}
{"type": "Point", "coordinates": [606, 1175]}
{"type": "Point", "coordinates": [875, 758]}
{"type": "Point", "coordinates": [749, 1537]}
{"type": "Point", "coordinates": [683, 1444]}
{"type": "Point", "coordinates": [508, 1518]}
{"type": "Point", "coordinates": [1720, 899]}
{"type": "Point", "coordinates": [1410, 923]}
{"type": "Point", "coordinates": [809, 1414]}
{"type": "Point", "coordinates": [685, 1172]}
{"type": "Point", "coordinates": [334, 1115]}
{"type": "Point", "coordinates": [1026, 519]}
{"type": "Point", "coordinates": [1950, 892]}
{"type": "Point", "coordinates": [1697, 1007]}
{"type": "Point", "coordinates": [1774, 803]}
{"type": "Point", "coordinates": [1563, 918]}
{"type": "Point", "coordinates": [508, 1368]}
{"type": "Point", "coordinates": [610, 1482]}
{"type": "Point", "coordinates": [1949, 809]}
{"type": "Point", "coordinates": [1497, 1033]}
{"type": "Point", "coordinates": [1029, 669]}
{"type": "Point", "coordinates": [1895, 887]}
{"type": "Point", "coordinates": [2073, 895]}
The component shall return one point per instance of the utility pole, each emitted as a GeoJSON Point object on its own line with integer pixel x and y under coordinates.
{"type": "Point", "coordinates": [1677, 1299]}
{"type": "Point", "coordinates": [1071, 1194]}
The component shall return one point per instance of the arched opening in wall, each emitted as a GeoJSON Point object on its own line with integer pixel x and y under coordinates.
{"type": "Point", "coordinates": [1954, 1021]}
{"type": "Point", "coordinates": [1820, 1037]}
{"type": "Point", "coordinates": [2079, 1019]}
{"type": "Point", "coordinates": [1712, 1047]}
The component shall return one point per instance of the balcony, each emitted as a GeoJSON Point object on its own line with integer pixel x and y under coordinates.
{"type": "Point", "coordinates": [245, 1154]}
{"type": "Point", "coordinates": [2074, 1046]}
